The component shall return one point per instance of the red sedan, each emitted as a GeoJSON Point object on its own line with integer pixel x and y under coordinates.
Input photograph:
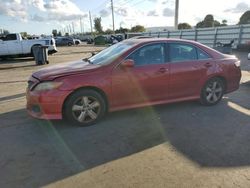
{"type": "Point", "coordinates": [130, 74]}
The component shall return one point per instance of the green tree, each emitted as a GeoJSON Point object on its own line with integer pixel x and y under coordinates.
{"type": "Point", "coordinates": [98, 25]}
{"type": "Point", "coordinates": [6, 32]}
{"type": "Point", "coordinates": [184, 26]}
{"type": "Point", "coordinates": [217, 23]}
{"type": "Point", "coordinates": [54, 32]}
{"type": "Point", "coordinates": [245, 18]}
{"type": "Point", "coordinates": [138, 28]}
{"type": "Point", "coordinates": [24, 34]}
{"type": "Point", "coordinates": [200, 24]}
{"type": "Point", "coordinates": [59, 34]}
{"type": "Point", "coordinates": [224, 23]}
{"type": "Point", "coordinates": [208, 22]}
{"type": "Point", "coordinates": [109, 31]}
{"type": "Point", "coordinates": [122, 30]}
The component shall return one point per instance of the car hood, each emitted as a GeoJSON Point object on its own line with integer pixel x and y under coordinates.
{"type": "Point", "coordinates": [64, 69]}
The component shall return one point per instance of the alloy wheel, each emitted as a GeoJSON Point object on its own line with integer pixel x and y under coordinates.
{"type": "Point", "coordinates": [86, 109]}
{"type": "Point", "coordinates": [214, 92]}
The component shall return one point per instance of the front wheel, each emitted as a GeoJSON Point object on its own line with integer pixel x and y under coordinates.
{"type": "Point", "coordinates": [212, 92]}
{"type": "Point", "coordinates": [84, 107]}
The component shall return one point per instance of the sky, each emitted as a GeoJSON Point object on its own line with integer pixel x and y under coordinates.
{"type": "Point", "coordinates": [42, 16]}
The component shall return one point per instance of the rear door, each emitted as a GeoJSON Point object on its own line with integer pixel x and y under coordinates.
{"type": "Point", "coordinates": [189, 67]}
{"type": "Point", "coordinates": [146, 82]}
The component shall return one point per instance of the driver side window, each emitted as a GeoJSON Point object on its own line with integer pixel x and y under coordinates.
{"type": "Point", "coordinates": [150, 54]}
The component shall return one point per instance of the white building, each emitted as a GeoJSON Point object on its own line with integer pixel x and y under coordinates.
{"type": "Point", "coordinates": [159, 29]}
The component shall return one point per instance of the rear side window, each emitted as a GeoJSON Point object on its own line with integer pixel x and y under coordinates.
{"type": "Point", "coordinates": [184, 52]}
{"type": "Point", "coordinates": [202, 55]}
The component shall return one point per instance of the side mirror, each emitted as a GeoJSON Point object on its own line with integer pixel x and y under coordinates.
{"type": "Point", "coordinates": [248, 57]}
{"type": "Point", "coordinates": [128, 63]}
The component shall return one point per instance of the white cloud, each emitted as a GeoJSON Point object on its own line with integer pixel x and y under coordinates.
{"type": "Point", "coordinates": [152, 13]}
{"type": "Point", "coordinates": [154, 1]}
{"type": "Point", "coordinates": [167, 12]}
{"type": "Point", "coordinates": [61, 10]}
{"type": "Point", "coordinates": [14, 9]}
{"type": "Point", "coordinates": [53, 10]}
{"type": "Point", "coordinates": [240, 8]}
{"type": "Point", "coordinates": [39, 4]}
{"type": "Point", "coordinates": [37, 18]}
{"type": "Point", "coordinates": [104, 13]}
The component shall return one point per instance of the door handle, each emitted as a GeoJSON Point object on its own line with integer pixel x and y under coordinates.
{"type": "Point", "coordinates": [208, 65]}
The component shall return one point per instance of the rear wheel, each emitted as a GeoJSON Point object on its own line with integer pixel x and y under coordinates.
{"type": "Point", "coordinates": [84, 107]}
{"type": "Point", "coordinates": [212, 92]}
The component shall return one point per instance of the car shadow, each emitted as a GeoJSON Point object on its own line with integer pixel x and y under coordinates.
{"type": "Point", "coordinates": [42, 152]}
{"type": "Point", "coordinates": [14, 63]}
{"type": "Point", "coordinates": [245, 63]}
{"type": "Point", "coordinates": [12, 97]}
{"type": "Point", "coordinates": [18, 67]}
{"type": "Point", "coordinates": [16, 60]}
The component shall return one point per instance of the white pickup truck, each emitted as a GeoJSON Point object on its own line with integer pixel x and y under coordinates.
{"type": "Point", "coordinates": [15, 45]}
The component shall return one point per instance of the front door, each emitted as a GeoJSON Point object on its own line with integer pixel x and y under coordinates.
{"type": "Point", "coordinates": [144, 83]}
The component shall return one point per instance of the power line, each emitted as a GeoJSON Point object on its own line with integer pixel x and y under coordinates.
{"type": "Point", "coordinates": [126, 2]}
{"type": "Point", "coordinates": [137, 3]}
{"type": "Point", "coordinates": [100, 6]}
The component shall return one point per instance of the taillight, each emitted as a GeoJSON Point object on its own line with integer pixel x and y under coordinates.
{"type": "Point", "coordinates": [237, 63]}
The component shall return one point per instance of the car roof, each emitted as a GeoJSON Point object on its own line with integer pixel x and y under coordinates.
{"type": "Point", "coordinates": [142, 41]}
{"type": "Point", "coordinates": [146, 40]}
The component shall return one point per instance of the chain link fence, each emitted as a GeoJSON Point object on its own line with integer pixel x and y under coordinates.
{"type": "Point", "coordinates": [208, 36]}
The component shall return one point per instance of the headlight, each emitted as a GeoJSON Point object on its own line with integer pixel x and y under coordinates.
{"type": "Point", "coordinates": [44, 86]}
{"type": "Point", "coordinates": [237, 63]}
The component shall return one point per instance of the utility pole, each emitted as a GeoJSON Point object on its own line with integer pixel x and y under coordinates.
{"type": "Point", "coordinates": [112, 9]}
{"type": "Point", "coordinates": [90, 20]}
{"type": "Point", "coordinates": [69, 29]}
{"type": "Point", "coordinates": [73, 28]}
{"type": "Point", "coordinates": [81, 24]}
{"type": "Point", "coordinates": [176, 14]}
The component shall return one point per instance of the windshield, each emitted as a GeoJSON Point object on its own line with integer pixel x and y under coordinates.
{"type": "Point", "coordinates": [109, 54]}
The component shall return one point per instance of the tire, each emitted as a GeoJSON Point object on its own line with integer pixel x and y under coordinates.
{"type": "Point", "coordinates": [212, 92]}
{"type": "Point", "coordinates": [77, 43]}
{"type": "Point", "coordinates": [84, 107]}
{"type": "Point", "coordinates": [70, 44]}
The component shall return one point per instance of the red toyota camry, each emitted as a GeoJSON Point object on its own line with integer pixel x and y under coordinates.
{"type": "Point", "coordinates": [131, 74]}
